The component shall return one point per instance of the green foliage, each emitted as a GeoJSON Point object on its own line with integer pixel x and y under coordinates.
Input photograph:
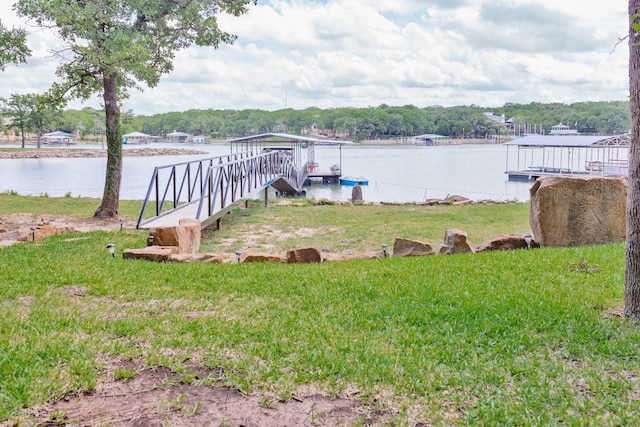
{"type": "Point", "coordinates": [13, 46]}
{"type": "Point", "coordinates": [390, 122]}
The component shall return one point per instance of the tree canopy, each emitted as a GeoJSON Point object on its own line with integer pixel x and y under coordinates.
{"type": "Point", "coordinates": [13, 46]}
{"type": "Point", "coordinates": [112, 46]}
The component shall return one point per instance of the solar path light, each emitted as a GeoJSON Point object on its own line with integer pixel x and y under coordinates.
{"type": "Point", "coordinates": [112, 249]}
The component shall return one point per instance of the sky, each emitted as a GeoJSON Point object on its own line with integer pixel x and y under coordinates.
{"type": "Point", "coordinates": [360, 53]}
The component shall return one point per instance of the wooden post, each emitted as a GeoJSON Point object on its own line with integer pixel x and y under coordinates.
{"type": "Point", "coordinates": [266, 197]}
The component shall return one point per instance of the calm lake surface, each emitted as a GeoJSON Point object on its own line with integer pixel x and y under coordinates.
{"type": "Point", "coordinates": [395, 173]}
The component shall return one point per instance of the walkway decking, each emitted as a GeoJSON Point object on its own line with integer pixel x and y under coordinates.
{"type": "Point", "coordinates": [208, 189]}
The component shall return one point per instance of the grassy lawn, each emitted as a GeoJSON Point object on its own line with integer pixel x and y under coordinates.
{"type": "Point", "coordinates": [510, 338]}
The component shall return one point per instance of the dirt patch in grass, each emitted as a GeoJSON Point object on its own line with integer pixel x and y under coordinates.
{"type": "Point", "coordinates": [12, 226]}
{"type": "Point", "coordinates": [157, 398]}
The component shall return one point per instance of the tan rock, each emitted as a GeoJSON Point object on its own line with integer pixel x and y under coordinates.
{"type": "Point", "coordinates": [164, 236]}
{"type": "Point", "coordinates": [304, 256]}
{"type": "Point", "coordinates": [578, 211]}
{"type": "Point", "coordinates": [186, 235]}
{"type": "Point", "coordinates": [330, 257]}
{"type": "Point", "coordinates": [506, 242]}
{"type": "Point", "coordinates": [151, 253]}
{"type": "Point", "coordinates": [189, 235]}
{"type": "Point", "coordinates": [39, 233]}
{"type": "Point", "coordinates": [356, 195]}
{"type": "Point", "coordinates": [455, 242]}
{"type": "Point", "coordinates": [266, 258]}
{"type": "Point", "coordinates": [406, 247]}
{"type": "Point", "coordinates": [3, 230]}
{"type": "Point", "coordinates": [199, 258]}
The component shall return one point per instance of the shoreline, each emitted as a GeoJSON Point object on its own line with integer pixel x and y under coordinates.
{"type": "Point", "coordinates": [41, 153]}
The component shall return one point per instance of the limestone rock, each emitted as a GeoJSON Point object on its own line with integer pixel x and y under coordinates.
{"type": "Point", "coordinates": [266, 258]}
{"type": "Point", "coordinates": [455, 242]}
{"type": "Point", "coordinates": [506, 242]}
{"type": "Point", "coordinates": [200, 258]}
{"type": "Point", "coordinates": [304, 256]}
{"type": "Point", "coordinates": [186, 235]}
{"type": "Point", "coordinates": [578, 211]}
{"type": "Point", "coordinates": [330, 257]}
{"type": "Point", "coordinates": [44, 231]}
{"type": "Point", "coordinates": [406, 247]}
{"type": "Point", "coordinates": [189, 234]}
{"type": "Point", "coordinates": [356, 195]}
{"type": "Point", "coordinates": [151, 253]}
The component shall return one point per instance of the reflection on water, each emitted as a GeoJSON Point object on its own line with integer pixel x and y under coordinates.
{"type": "Point", "coordinates": [395, 173]}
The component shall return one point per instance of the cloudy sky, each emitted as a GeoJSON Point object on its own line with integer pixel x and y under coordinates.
{"type": "Point", "coordinates": [359, 53]}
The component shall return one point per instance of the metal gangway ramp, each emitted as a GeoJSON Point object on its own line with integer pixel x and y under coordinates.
{"type": "Point", "coordinates": [209, 188]}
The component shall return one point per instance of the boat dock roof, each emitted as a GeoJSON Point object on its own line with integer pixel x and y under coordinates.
{"type": "Point", "coordinates": [569, 141]}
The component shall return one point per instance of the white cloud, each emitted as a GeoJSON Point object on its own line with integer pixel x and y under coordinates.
{"type": "Point", "coordinates": [337, 53]}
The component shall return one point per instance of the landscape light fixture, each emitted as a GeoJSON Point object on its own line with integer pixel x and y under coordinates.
{"type": "Point", "coordinates": [33, 234]}
{"type": "Point", "coordinates": [150, 240]}
{"type": "Point", "coordinates": [121, 221]}
{"type": "Point", "coordinates": [238, 255]}
{"type": "Point", "coordinates": [384, 249]}
{"type": "Point", "coordinates": [527, 239]}
{"type": "Point", "coordinates": [112, 249]}
{"type": "Point", "coordinates": [325, 251]}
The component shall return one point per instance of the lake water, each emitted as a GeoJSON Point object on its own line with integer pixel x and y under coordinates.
{"type": "Point", "coordinates": [395, 173]}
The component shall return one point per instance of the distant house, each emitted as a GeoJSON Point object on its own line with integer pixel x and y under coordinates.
{"type": "Point", "coordinates": [136, 138]}
{"type": "Point", "coordinates": [176, 136]}
{"type": "Point", "coordinates": [57, 138]}
{"type": "Point", "coordinates": [498, 119]}
{"type": "Point", "coordinates": [561, 129]}
{"type": "Point", "coordinates": [199, 139]}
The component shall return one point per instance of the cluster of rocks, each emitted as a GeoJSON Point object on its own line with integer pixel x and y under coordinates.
{"type": "Point", "coordinates": [181, 244]}
{"type": "Point", "coordinates": [42, 231]}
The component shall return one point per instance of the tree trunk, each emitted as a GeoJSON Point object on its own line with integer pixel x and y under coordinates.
{"type": "Point", "coordinates": [111, 196]}
{"type": "Point", "coordinates": [22, 133]}
{"type": "Point", "coordinates": [632, 258]}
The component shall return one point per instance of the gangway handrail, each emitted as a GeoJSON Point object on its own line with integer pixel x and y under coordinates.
{"type": "Point", "coordinates": [226, 180]}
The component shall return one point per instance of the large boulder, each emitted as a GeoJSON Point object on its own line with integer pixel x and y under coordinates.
{"type": "Point", "coordinates": [455, 242]}
{"type": "Point", "coordinates": [578, 211]}
{"type": "Point", "coordinates": [304, 256]}
{"type": "Point", "coordinates": [406, 247]}
{"type": "Point", "coordinates": [186, 236]}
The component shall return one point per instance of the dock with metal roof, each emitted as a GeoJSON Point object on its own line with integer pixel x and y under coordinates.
{"type": "Point", "coordinates": [567, 155]}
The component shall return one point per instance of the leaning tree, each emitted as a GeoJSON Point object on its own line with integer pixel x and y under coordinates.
{"type": "Point", "coordinates": [110, 46]}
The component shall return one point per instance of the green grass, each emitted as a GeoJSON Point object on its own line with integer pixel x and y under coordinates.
{"type": "Point", "coordinates": [508, 338]}
{"type": "Point", "coordinates": [79, 207]}
{"type": "Point", "coordinates": [361, 228]}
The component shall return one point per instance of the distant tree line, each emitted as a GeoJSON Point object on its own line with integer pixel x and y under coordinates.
{"type": "Point", "coordinates": [382, 122]}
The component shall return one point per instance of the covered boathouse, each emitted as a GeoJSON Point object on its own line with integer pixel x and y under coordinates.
{"type": "Point", "coordinates": [533, 156]}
